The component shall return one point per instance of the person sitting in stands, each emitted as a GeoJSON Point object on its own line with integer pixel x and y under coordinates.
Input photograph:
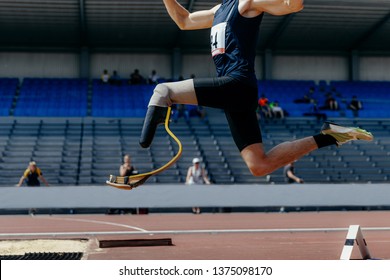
{"type": "Point", "coordinates": [136, 78]}
{"type": "Point", "coordinates": [330, 103]}
{"type": "Point", "coordinates": [306, 99]}
{"type": "Point", "coordinates": [277, 111]}
{"type": "Point", "coordinates": [115, 79]}
{"type": "Point", "coordinates": [153, 78]}
{"type": "Point", "coordinates": [355, 105]}
{"type": "Point", "coordinates": [315, 111]}
{"type": "Point", "coordinates": [105, 78]}
{"type": "Point", "coordinates": [126, 169]}
{"type": "Point", "coordinates": [265, 110]}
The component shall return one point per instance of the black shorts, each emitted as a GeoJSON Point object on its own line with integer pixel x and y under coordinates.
{"type": "Point", "coordinates": [238, 100]}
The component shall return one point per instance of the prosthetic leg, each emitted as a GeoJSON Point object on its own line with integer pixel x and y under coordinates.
{"type": "Point", "coordinates": [131, 182]}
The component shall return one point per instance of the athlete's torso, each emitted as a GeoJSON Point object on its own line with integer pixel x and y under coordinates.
{"type": "Point", "coordinates": [233, 42]}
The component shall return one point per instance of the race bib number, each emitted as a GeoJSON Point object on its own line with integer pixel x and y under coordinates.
{"type": "Point", "coordinates": [218, 39]}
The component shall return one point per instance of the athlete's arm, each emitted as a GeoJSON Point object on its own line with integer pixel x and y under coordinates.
{"type": "Point", "coordinates": [189, 21]}
{"type": "Point", "coordinates": [273, 7]}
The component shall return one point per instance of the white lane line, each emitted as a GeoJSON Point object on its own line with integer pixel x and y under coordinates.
{"type": "Point", "coordinates": [97, 222]}
{"type": "Point", "coordinates": [207, 231]}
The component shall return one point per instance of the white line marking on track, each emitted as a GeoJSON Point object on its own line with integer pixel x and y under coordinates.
{"type": "Point", "coordinates": [98, 222]}
{"type": "Point", "coordinates": [207, 231]}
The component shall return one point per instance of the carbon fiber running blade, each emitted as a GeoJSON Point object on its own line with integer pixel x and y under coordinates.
{"type": "Point", "coordinates": [126, 183]}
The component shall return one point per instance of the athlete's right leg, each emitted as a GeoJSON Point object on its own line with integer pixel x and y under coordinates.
{"type": "Point", "coordinates": [220, 92]}
{"type": "Point", "coordinates": [164, 95]}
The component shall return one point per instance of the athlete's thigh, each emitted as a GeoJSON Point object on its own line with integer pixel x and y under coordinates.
{"type": "Point", "coordinates": [182, 92]}
{"type": "Point", "coordinates": [244, 128]}
{"type": "Point", "coordinates": [225, 93]}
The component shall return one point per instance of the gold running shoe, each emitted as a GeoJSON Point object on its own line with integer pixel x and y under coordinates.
{"type": "Point", "coordinates": [344, 134]}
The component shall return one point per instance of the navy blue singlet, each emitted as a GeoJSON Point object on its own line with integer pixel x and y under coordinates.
{"type": "Point", "coordinates": [233, 42]}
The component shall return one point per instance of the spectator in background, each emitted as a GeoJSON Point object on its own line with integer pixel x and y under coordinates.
{"type": "Point", "coordinates": [202, 113]}
{"type": "Point", "coordinates": [105, 77]}
{"type": "Point", "coordinates": [265, 110]}
{"type": "Point", "coordinates": [355, 105]}
{"type": "Point", "coordinates": [180, 110]}
{"type": "Point", "coordinates": [126, 169]}
{"type": "Point", "coordinates": [289, 174]}
{"type": "Point", "coordinates": [330, 103]}
{"type": "Point", "coordinates": [276, 110]}
{"type": "Point", "coordinates": [115, 79]}
{"type": "Point", "coordinates": [306, 99]}
{"type": "Point", "coordinates": [196, 175]}
{"type": "Point", "coordinates": [153, 78]}
{"type": "Point", "coordinates": [136, 78]}
{"type": "Point", "coordinates": [31, 176]}
{"type": "Point", "coordinates": [315, 111]}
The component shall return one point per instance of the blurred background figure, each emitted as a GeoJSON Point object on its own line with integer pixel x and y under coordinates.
{"type": "Point", "coordinates": [355, 105]}
{"type": "Point", "coordinates": [264, 109]}
{"type": "Point", "coordinates": [153, 78]}
{"type": "Point", "coordinates": [105, 77]}
{"type": "Point", "coordinates": [196, 175]}
{"type": "Point", "coordinates": [289, 174]}
{"type": "Point", "coordinates": [136, 78]}
{"type": "Point", "coordinates": [277, 111]}
{"type": "Point", "coordinates": [31, 176]}
{"type": "Point", "coordinates": [115, 79]}
{"type": "Point", "coordinates": [126, 169]}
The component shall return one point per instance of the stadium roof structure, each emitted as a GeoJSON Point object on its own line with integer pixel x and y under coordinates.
{"type": "Point", "coordinates": [144, 25]}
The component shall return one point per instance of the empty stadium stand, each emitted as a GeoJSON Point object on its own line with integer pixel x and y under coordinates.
{"type": "Point", "coordinates": [52, 98]}
{"type": "Point", "coordinates": [120, 101]}
{"type": "Point", "coordinates": [8, 87]}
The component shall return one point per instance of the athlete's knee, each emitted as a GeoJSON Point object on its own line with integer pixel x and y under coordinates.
{"type": "Point", "coordinates": [259, 169]}
{"type": "Point", "coordinates": [160, 96]}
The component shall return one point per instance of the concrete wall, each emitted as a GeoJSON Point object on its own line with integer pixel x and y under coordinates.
{"type": "Point", "coordinates": [24, 64]}
{"type": "Point", "coordinates": [284, 67]}
{"type": "Point", "coordinates": [375, 68]}
{"type": "Point", "coordinates": [310, 68]}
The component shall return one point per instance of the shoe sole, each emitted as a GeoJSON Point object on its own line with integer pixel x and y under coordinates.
{"type": "Point", "coordinates": [357, 133]}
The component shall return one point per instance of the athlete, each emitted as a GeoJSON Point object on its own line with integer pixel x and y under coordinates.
{"type": "Point", "coordinates": [234, 32]}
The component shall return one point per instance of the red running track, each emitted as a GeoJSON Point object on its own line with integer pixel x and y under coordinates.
{"type": "Point", "coordinates": [257, 236]}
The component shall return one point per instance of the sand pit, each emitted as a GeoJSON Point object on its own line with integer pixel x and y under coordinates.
{"type": "Point", "coordinates": [21, 247]}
